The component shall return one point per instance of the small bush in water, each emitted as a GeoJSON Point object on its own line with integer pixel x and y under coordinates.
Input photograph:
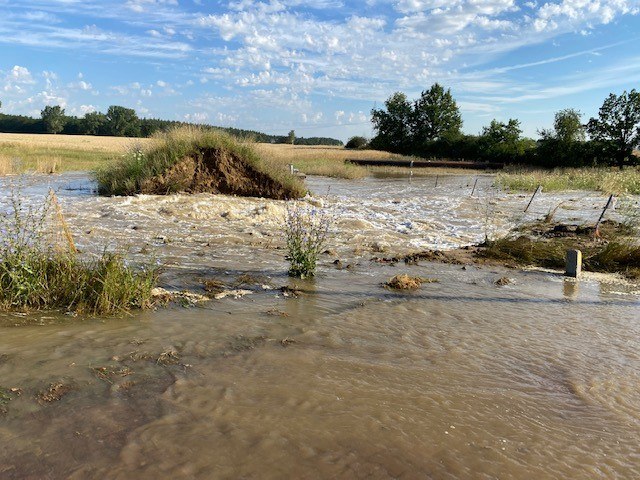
{"type": "Point", "coordinates": [36, 272]}
{"type": "Point", "coordinates": [307, 230]}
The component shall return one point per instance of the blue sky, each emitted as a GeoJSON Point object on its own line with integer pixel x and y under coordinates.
{"type": "Point", "coordinates": [319, 66]}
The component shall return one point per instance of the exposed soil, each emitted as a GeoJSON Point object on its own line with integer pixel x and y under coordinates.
{"type": "Point", "coordinates": [217, 171]}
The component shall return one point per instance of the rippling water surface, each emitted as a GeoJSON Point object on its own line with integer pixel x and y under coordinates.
{"type": "Point", "coordinates": [461, 379]}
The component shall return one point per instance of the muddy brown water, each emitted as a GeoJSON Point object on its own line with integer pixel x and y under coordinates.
{"type": "Point", "coordinates": [460, 379]}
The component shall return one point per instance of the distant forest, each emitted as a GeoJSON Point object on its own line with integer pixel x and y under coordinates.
{"type": "Point", "coordinates": [124, 122]}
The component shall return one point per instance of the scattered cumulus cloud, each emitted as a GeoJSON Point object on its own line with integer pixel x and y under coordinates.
{"type": "Point", "coordinates": [315, 62]}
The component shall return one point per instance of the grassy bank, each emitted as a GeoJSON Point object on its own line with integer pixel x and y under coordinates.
{"type": "Point", "coordinates": [189, 159]}
{"type": "Point", "coordinates": [330, 161]}
{"type": "Point", "coordinates": [615, 250]}
{"type": "Point", "coordinates": [598, 179]}
{"type": "Point", "coordinates": [327, 161]}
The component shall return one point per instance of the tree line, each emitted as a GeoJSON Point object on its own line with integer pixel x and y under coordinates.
{"type": "Point", "coordinates": [120, 121]}
{"type": "Point", "coordinates": [430, 126]}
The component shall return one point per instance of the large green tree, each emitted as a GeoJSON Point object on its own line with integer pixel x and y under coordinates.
{"type": "Point", "coordinates": [94, 123]}
{"type": "Point", "coordinates": [53, 118]}
{"type": "Point", "coordinates": [435, 116]}
{"type": "Point", "coordinates": [122, 122]}
{"type": "Point", "coordinates": [502, 141]}
{"type": "Point", "coordinates": [568, 127]}
{"type": "Point", "coordinates": [564, 144]}
{"type": "Point", "coordinates": [617, 127]}
{"type": "Point", "coordinates": [392, 125]}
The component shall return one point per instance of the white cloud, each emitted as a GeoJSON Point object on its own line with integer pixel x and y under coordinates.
{"type": "Point", "coordinates": [197, 117]}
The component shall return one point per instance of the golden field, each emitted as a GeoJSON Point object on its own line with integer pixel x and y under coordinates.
{"type": "Point", "coordinates": [58, 153]}
{"type": "Point", "coordinates": [21, 152]}
{"type": "Point", "coordinates": [55, 153]}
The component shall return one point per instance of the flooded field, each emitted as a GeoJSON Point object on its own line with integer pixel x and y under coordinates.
{"type": "Point", "coordinates": [338, 377]}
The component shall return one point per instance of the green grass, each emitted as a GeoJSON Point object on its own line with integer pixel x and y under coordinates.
{"type": "Point", "coordinates": [38, 272]}
{"type": "Point", "coordinates": [129, 175]}
{"type": "Point", "coordinates": [34, 279]}
{"type": "Point", "coordinates": [596, 179]}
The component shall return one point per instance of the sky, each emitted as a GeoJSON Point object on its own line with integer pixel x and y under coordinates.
{"type": "Point", "coordinates": [317, 67]}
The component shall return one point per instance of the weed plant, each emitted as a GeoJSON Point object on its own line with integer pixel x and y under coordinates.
{"type": "Point", "coordinates": [38, 273]}
{"type": "Point", "coordinates": [307, 230]}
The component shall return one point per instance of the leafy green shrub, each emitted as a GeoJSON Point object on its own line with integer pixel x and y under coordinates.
{"type": "Point", "coordinates": [356, 142]}
{"type": "Point", "coordinates": [306, 230]}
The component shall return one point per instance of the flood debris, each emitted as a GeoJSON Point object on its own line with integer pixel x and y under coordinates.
{"type": "Point", "coordinates": [6, 395]}
{"type": "Point", "coordinates": [108, 372]}
{"type": "Point", "coordinates": [54, 392]}
{"type": "Point", "coordinates": [406, 282]}
{"type": "Point", "coordinates": [285, 342]}
{"type": "Point", "coordinates": [379, 247]}
{"type": "Point", "coordinates": [290, 292]}
{"type": "Point", "coordinates": [213, 287]}
{"type": "Point", "coordinates": [237, 293]}
{"type": "Point", "coordinates": [502, 281]}
{"type": "Point", "coordinates": [163, 296]}
{"type": "Point", "coordinates": [427, 255]}
{"type": "Point", "coordinates": [274, 312]}
{"type": "Point", "coordinates": [170, 356]}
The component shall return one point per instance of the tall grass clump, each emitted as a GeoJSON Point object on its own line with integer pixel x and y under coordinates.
{"type": "Point", "coordinates": [37, 272]}
{"type": "Point", "coordinates": [132, 173]}
{"type": "Point", "coordinates": [307, 230]}
{"type": "Point", "coordinates": [616, 181]}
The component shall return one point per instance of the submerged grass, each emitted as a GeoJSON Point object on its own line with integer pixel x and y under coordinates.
{"type": "Point", "coordinates": [598, 179]}
{"type": "Point", "coordinates": [129, 175]}
{"type": "Point", "coordinates": [36, 272]}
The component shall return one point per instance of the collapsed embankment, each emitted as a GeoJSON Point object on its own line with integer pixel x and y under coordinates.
{"type": "Point", "coordinates": [195, 161]}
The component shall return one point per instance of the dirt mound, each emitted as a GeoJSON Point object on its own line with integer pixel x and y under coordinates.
{"type": "Point", "coordinates": [217, 171]}
{"type": "Point", "coordinates": [406, 282]}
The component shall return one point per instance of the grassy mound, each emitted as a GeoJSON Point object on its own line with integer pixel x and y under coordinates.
{"type": "Point", "coordinates": [193, 160]}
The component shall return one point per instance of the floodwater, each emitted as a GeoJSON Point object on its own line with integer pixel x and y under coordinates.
{"type": "Point", "coordinates": [539, 378]}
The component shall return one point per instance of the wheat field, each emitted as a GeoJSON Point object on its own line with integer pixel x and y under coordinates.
{"type": "Point", "coordinates": [23, 152]}
{"type": "Point", "coordinates": [44, 153]}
